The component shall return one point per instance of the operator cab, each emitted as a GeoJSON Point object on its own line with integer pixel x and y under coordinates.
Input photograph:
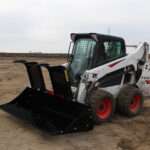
{"type": "Point", "coordinates": [93, 50]}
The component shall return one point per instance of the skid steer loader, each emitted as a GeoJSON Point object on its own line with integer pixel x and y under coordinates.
{"type": "Point", "coordinates": [99, 78]}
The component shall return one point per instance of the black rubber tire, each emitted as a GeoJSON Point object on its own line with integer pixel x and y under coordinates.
{"type": "Point", "coordinates": [125, 98]}
{"type": "Point", "coordinates": [95, 99]}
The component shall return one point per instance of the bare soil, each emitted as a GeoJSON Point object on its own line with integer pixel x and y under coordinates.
{"type": "Point", "coordinates": [120, 134]}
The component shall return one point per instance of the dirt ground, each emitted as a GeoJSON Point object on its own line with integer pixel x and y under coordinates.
{"type": "Point", "coordinates": [121, 134]}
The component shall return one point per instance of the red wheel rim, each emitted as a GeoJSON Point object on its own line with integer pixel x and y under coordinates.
{"type": "Point", "coordinates": [135, 104]}
{"type": "Point", "coordinates": [105, 109]}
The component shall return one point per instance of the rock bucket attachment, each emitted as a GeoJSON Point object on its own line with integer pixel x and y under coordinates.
{"type": "Point", "coordinates": [49, 112]}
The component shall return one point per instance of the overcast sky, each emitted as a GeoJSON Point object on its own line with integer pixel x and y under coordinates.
{"type": "Point", "coordinates": [45, 25]}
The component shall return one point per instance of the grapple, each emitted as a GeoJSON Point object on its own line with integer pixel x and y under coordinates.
{"type": "Point", "coordinates": [55, 111]}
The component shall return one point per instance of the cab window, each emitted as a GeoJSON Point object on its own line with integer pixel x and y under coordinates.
{"type": "Point", "coordinates": [113, 50]}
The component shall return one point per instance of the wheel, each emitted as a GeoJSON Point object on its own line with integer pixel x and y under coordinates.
{"type": "Point", "coordinates": [130, 101]}
{"type": "Point", "coordinates": [103, 105]}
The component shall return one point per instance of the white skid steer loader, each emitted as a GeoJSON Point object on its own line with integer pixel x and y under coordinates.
{"type": "Point", "coordinates": [99, 78]}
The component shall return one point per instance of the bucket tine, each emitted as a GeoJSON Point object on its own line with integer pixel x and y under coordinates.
{"type": "Point", "coordinates": [35, 74]}
{"type": "Point", "coordinates": [60, 80]}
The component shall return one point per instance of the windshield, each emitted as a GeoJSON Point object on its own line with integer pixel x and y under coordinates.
{"type": "Point", "coordinates": [82, 52]}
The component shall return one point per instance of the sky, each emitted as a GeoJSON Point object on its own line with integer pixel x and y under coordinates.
{"type": "Point", "coordinates": [45, 25]}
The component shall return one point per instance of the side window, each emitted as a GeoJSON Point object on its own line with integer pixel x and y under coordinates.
{"type": "Point", "coordinates": [113, 49]}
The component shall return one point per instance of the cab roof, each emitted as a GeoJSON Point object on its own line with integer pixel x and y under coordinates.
{"type": "Point", "coordinates": [95, 36]}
